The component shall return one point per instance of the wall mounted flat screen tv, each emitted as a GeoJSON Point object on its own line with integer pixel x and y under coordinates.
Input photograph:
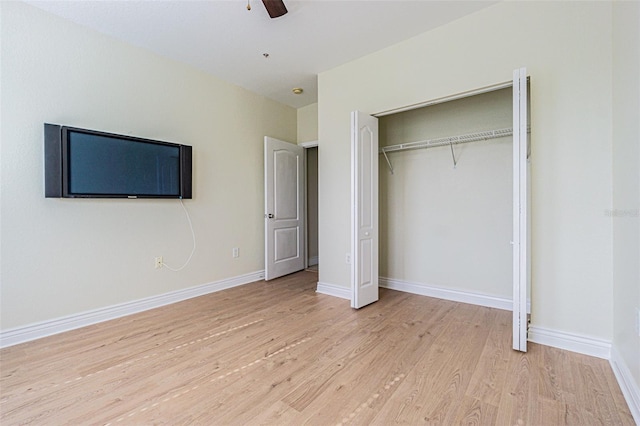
{"type": "Point", "coordinates": [81, 163]}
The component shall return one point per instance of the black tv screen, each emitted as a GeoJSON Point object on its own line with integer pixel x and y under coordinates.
{"type": "Point", "coordinates": [91, 164]}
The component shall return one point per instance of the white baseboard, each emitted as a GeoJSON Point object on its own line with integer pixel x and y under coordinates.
{"type": "Point", "coordinates": [449, 294]}
{"type": "Point", "coordinates": [573, 342]}
{"type": "Point", "coordinates": [312, 261]}
{"type": "Point", "coordinates": [59, 325]}
{"type": "Point", "coordinates": [333, 290]}
{"type": "Point", "coordinates": [627, 383]}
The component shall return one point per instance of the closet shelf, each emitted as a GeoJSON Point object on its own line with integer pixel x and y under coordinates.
{"type": "Point", "coordinates": [429, 143]}
{"type": "Point", "coordinates": [446, 141]}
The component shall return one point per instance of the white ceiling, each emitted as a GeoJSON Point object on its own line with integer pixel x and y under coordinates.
{"type": "Point", "coordinates": [224, 39]}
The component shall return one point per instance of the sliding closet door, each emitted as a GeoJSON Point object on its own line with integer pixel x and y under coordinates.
{"type": "Point", "coordinates": [364, 209]}
{"type": "Point", "coordinates": [520, 211]}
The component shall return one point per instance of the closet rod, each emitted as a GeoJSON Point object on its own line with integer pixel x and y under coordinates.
{"type": "Point", "coordinates": [449, 140]}
{"type": "Point", "coordinates": [430, 143]}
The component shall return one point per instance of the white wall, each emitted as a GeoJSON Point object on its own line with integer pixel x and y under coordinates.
{"type": "Point", "coordinates": [64, 256]}
{"type": "Point", "coordinates": [307, 123]}
{"type": "Point", "coordinates": [566, 47]}
{"type": "Point", "coordinates": [626, 183]}
{"type": "Point", "coordinates": [442, 225]}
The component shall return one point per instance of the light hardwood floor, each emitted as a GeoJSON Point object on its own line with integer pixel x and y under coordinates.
{"type": "Point", "coordinates": [279, 353]}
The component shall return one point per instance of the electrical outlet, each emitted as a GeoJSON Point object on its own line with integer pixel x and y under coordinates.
{"type": "Point", "coordinates": [159, 262]}
{"type": "Point", "coordinates": [348, 258]}
{"type": "Point", "coordinates": [236, 252]}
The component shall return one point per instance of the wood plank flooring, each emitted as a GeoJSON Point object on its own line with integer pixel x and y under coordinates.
{"type": "Point", "coordinates": [277, 353]}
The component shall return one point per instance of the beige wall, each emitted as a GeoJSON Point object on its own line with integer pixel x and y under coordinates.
{"type": "Point", "coordinates": [308, 123]}
{"type": "Point", "coordinates": [567, 50]}
{"type": "Point", "coordinates": [65, 256]}
{"type": "Point", "coordinates": [626, 182]}
{"type": "Point", "coordinates": [447, 226]}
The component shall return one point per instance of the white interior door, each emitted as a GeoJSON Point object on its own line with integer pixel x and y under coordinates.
{"type": "Point", "coordinates": [364, 209]}
{"type": "Point", "coordinates": [284, 177]}
{"type": "Point", "coordinates": [520, 211]}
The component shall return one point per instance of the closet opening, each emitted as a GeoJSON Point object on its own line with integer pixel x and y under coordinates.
{"type": "Point", "coordinates": [445, 197]}
{"type": "Point", "coordinates": [451, 196]}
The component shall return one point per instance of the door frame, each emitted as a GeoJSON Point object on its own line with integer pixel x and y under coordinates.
{"type": "Point", "coordinates": [306, 146]}
{"type": "Point", "coordinates": [521, 190]}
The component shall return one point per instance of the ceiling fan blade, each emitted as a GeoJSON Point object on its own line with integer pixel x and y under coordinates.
{"type": "Point", "coordinates": [275, 8]}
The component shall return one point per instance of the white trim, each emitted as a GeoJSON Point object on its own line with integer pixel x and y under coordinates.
{"type": "Point", "coordinates": [334, 290]}
{"type": "Point", "coordinates": [313, 260]}
{"type": "Point", "coordinates": [443, 99]}
{"type": "Point", "coordinates": [520, 244]}
{"type": "Point", "coordinates": [59, 325]}
{"type": "Point", "coordinates": [449, 294]}
{"type": "Point", "coordinates": [573, 342]}
{"type": "Point", "coordinates": [627, 383]}
{"type": "Point", "coordinates": [310, 144]}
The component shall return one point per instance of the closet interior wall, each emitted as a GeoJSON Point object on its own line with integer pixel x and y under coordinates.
{"type": "Point", "coordinates": [445, 226]}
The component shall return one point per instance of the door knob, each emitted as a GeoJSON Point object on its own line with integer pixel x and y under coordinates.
{"type": "Point", "coordinates": [270, 216]}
